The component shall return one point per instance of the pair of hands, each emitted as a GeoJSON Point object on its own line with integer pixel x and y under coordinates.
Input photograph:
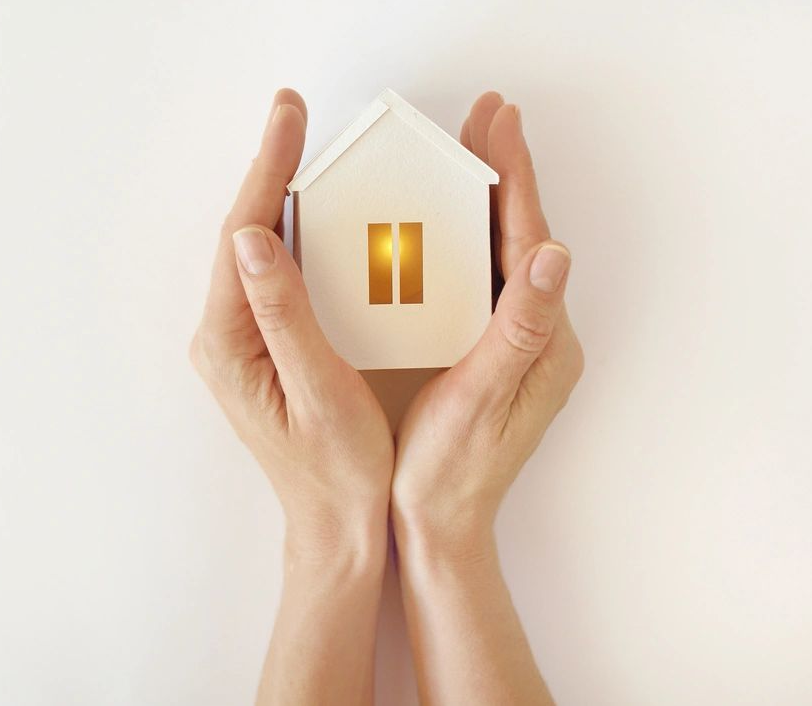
{"type": "Point", "coordinates": [310, 418]}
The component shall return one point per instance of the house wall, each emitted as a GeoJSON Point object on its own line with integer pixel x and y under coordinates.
{"type": "Point", "coordinates": [391, 174]}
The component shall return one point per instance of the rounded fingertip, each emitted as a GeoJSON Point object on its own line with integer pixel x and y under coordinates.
{"type": "Point", "coordinates": [507, 147]}
{"type": "Point", "coordinates": [549, 266]}
{"type": "Point", "coordinates": [481, 118]}
{"type": "Point", "coordinates": [288, 96]}
{"type": "Point", "coordinates": [490, 98]}
{"type": "Point", "coordinates": [286, 111]}
{"type": "Point", "coordinates": [505, 121]}
{"type": "Point", "coordinates": [512, 112]}
{"type": "Point", "coordinates": [465, 133]}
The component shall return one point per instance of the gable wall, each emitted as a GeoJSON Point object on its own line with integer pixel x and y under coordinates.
{"type": "Point", "coordinates": [392, 174]}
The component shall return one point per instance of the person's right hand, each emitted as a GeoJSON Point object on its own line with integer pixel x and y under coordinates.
{"type": "Point", "coordinates": [470, 429]}
{"type": "Point", "coordinates": [307, 415]}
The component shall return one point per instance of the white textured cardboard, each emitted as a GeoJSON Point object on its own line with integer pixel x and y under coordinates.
{"type": "Point", "coordinates": [389, 100]}
{"type": "Point", "coordinates": [389, 171]}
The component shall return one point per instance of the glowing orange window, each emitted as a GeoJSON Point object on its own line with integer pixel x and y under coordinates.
{"type": "Point", "coordinates": [410, 257]}
{"type": "Point", "coordinates": [379, 244]}
{"type": "Point", "coordinates": [381, 253]}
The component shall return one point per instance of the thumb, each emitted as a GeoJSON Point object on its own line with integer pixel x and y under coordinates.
{"type": "Point", "coordinates": [278, 298]}
{"type": "Point", "coordinates": [523, 322]}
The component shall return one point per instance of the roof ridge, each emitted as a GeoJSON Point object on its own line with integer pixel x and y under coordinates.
{"type": "Point", "coordinates": [387, 99]}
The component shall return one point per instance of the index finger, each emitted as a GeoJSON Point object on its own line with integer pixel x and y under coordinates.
{"type": "Point", "coordinates": [521, 220]}
{"type": "Point", "coordinates": [260, 201]}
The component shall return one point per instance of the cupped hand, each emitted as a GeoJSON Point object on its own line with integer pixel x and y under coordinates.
{"type": "Point", "coordinates": [308, 416]}
{"type": "Point", "coordinates": [469, 430]}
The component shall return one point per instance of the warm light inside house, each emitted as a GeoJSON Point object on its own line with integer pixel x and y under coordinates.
{"type": "Point", "coordinates": [379, 244]}
{"type": "Point", "coordinates": [410, 249]}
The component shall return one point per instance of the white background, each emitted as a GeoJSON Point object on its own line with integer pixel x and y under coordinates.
{"type": "Point", "coordinates": [659, 543]}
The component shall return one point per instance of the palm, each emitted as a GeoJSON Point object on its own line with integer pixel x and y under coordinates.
{"type": "Point", "coordinates": [448, 405]}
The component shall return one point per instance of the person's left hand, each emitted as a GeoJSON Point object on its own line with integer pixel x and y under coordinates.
{"type": "Point", "coordinates": [469, 430]}
{"type": "Point", "coordinates": [308, 417]}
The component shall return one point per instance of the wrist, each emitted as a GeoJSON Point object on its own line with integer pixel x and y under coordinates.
{"type": "Point", "coordinates": [354, 541]}
{"type": "Point", "coordinates": [457, 538]}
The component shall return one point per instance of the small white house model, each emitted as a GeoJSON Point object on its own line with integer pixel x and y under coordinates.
{"type": "Point", "coordinates": [392, 233]}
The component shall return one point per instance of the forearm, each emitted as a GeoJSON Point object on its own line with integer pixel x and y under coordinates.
{"type": "Point", "coordinates": [467, 641]}
{"type": "Point", "coordinates": [322, 650]}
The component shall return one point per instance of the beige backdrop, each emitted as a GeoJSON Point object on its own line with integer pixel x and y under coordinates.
{"type": "Point", "coordinates": [657, 545]}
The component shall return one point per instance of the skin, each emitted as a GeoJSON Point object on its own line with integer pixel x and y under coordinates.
{"type": "Point", "coordinates": [464, 439]}
{"type": "Point", "coordinates": [324, 442]}
{"type": "Point", "coordinates": [317, 431]}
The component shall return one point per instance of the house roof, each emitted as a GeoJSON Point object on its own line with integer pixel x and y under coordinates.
{"type": "Point", "coordinates": [389, 100]}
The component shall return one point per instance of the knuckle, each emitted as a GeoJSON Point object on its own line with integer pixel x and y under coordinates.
{"type": "Point", "coordinates": [273, 312]}
{"type": "Point", "coordinates": [245, 380]}
{"type": "Point", "coordinates": [568, 361]}
{"type": "Point", "coordinates": [228, 374]}
{"type": "Point", "coordinates": [565, 369]}
{"type": "Point", "coordinates": [527, 329]}
{"type": "Point", "coordinates": [202, 351]}
{"type": "Point", "coordinates": [208, 356]}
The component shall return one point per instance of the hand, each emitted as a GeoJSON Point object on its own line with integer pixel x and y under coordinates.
{"type": "Point", "coordinates": [469, 430]}
{"type": "Point", "coordinates": [307, 416]}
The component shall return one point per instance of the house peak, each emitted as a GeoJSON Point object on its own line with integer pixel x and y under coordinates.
{"type": "Point", "coordinates": [388, 100]}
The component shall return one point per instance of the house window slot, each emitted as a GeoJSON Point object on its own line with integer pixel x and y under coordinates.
{"type": "Point", "coordinates": [410, 255]}
{"type": "Point", "coordinates": [383, 250]}
{"type": "Point", "coordinates": [379, 245]}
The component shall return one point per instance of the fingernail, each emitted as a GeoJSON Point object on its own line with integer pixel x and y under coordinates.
{"type": "Point", "coordinates": [283, 108]}
{"type": "Point", "coordinates": [255, 252]}
{"type": "Point", "coordinates": [548, 268]}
